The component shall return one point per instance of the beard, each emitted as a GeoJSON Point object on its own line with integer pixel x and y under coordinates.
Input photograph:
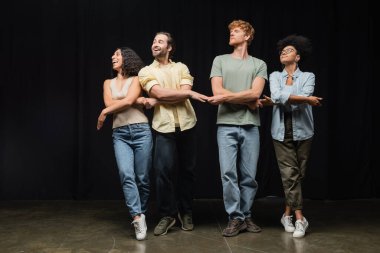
{"type": "Point", "coordinates": [159, 54]}
{"type": "Point", "coordinates": [162, 52]}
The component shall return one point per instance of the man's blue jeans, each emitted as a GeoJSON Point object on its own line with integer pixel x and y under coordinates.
{"type": "Point", "coordinates": [238, 149]}
{"type": "Point", "coordinates": [133, 151]}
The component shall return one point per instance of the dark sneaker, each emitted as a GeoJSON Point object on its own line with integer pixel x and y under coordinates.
{"type": "Point", "coordinates": [251, 226]}
{"type": "Point", "coordinates": [164, 225]}
{"type": "Point", "coordinates": [186, 221]}
{"type": "Point", "coordinates": [234, 227]}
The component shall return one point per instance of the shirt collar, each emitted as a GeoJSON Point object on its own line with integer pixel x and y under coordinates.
{"type": "Point", "coordinates": [296, 73]}
{"type": "Point", "coordinates": [157, 64]}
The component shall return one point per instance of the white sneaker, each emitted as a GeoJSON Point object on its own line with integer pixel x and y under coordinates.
{"type": "Point", "coordinates": [140, 227]}
{"type": "Point", "coordinates": [301, 227]}
{"type": "Point", "coordinates": [288, 223]}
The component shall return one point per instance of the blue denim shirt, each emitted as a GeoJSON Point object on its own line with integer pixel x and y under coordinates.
{"type": "Point", "coordinates": [302, 115]}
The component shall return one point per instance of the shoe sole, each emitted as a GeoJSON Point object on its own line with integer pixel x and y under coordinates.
{"type": "Point", "coordinates": [182, 227]}
{"type": "Point", "coordinates": [166, 231]}
{"type": "Point", "coordinates": [254, 230]}
{"type": "Point", "coordinates": [142, 239]}
{"type": "Point", "coordinates": [300, 236]}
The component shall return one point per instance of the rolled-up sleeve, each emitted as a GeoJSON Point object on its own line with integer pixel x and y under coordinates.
{"type": "Point", "coordinates": [308, 87]}
{"type": "Point", "coordinates": [147, 80]}
{"type": "Point", "coordinates": [186, 78]}
{"type": "Point", "coordinates": [278, 95]}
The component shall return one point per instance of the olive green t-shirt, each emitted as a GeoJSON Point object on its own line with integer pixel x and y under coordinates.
{"type": "Point", "coordinates": [238, 75]}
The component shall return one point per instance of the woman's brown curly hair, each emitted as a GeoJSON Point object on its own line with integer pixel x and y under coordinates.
{"type": "Point", "coordinates": [132, 63]}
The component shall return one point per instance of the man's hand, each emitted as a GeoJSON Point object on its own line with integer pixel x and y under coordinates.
{"type": "Point", "coordinates": [266, 101]}
{"type": "Point", "coordinates": [217, 99]}
{"type": "Point", "coordinates": [150, 103]}
{"type": "Point", "coordinates": [141, 101]}
{"type": "Point", "coordinates": [197, 96]}
{"type": "Point", "coordinates": [254, 105]}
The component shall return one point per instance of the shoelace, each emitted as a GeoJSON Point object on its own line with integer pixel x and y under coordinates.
{"type": "Point", "coordinates": [137, 226]}
{"type": "Point", "coordinates": [289, 220]}
{"type": "Point", "coordinates": [300, 227]}
{"type": "Point", "coordinates": [233, 223]}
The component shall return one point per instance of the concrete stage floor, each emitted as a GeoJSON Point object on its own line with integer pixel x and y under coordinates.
{"type": "Point", "coordinates": [104, 226]}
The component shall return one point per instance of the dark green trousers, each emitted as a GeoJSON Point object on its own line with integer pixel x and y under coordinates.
{"type": "Point", "coordinates": [292, 157]}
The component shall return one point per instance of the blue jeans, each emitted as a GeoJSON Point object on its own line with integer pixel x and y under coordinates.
{"type": "Point", "coordinates": [175, 150]}
{"type": "Point", "coordinates": [133, 151]}
{"type": "Point", "coordinates": [238, 148]}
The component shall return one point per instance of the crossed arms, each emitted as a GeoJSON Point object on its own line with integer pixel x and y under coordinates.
{"type": "Point", "coordinates": [247, 97]}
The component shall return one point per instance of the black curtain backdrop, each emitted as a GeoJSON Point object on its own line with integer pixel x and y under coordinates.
{"type": "Point", "coordinates": [56, 54]}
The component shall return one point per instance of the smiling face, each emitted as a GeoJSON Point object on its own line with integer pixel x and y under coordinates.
{"type": "Point", "coordinates": [289, 55]}
{"type": "Point", "coordinates": [117, 60]}
{"type": "Point", "coordinates": [160, 47]}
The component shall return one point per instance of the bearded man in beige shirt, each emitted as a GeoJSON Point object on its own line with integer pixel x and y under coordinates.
{"type": "Point", "coordinates": [169, 86]}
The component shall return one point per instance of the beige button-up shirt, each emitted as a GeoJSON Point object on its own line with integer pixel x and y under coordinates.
{"type": "Point", "coordinates": [168, 116]}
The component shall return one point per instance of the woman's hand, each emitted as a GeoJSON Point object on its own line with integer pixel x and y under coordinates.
{"type": "Point", "coordinates": [102, 117]}
{"type": "Point", "coordinates": [150, 102]}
